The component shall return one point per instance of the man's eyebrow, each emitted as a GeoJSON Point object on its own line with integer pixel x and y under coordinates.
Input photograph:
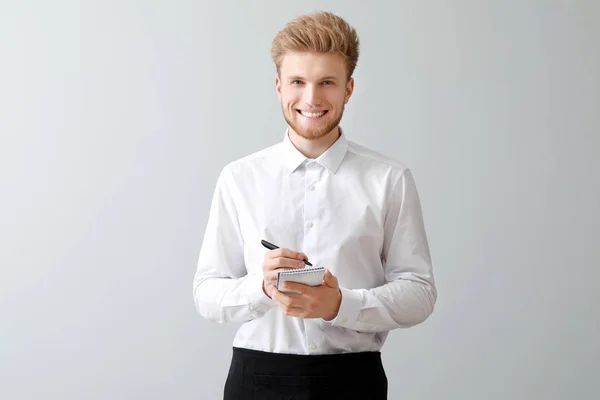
{"type": "Point", "coordinates": [325, 78]}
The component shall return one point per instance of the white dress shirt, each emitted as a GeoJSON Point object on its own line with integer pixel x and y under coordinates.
{"type": "Point", "coordinates": [351, 210]}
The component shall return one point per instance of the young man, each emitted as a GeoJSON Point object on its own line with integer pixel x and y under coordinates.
{"type": "Point", "coordinates": [323, 198]}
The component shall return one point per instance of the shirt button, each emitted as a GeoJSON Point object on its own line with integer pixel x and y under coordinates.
{"type": "Point", "coordinates": [313, 347]}
{"type": "Point", "coordinates": [311, 188]}
{"type": "Point", "coordinates": [310, 224]}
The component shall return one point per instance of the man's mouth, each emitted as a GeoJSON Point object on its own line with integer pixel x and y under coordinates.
{"type": "Point", "coordinates": [311, 114]}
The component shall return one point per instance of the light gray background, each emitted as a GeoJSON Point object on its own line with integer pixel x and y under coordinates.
{"type": "Point", "coordinates": [116, 118]}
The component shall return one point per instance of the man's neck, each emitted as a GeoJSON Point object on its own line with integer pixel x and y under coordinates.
{"type": "Point", "coordinates": [314, 148]}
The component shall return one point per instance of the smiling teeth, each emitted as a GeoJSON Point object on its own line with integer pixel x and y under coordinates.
{"type": "Point", "coordinates": [312, 115]}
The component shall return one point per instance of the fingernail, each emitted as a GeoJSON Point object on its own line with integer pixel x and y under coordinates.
{"type": "Point", "coordinates": [301, 257]}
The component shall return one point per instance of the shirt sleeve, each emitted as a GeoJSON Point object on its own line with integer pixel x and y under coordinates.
{"type": "Point", "coordinates": [223, 290]}
{"type": "Point", "coordinates": [409, 294]}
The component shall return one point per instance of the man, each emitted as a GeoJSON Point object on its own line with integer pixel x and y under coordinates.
{"type": "Point", "coordinates": [323, 198]}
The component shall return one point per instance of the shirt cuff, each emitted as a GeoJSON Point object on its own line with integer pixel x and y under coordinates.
{"type": "Point", "coordinates": [259, 302]}
{"type": "Point", "coordinates": [349, 308]}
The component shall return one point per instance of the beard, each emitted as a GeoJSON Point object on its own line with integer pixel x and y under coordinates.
{"type": "Point", "coordinates": [326, 124]}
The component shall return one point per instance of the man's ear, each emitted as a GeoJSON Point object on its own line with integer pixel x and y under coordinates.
{"type": "Point", "coordinates": [278, 86]}
{"type": "Point", "coordinates": [349, 90]}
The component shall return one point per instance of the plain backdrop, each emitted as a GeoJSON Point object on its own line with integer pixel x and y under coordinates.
{"type": "Point", "coordinates": [117, 116]}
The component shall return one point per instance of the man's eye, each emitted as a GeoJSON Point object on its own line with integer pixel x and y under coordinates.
{"type": "Point", "coordinates": [296, 82]}
{"type": "Point", "coordinates": [328, 82]}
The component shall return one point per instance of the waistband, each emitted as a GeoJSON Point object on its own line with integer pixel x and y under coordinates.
{"type": "Point", "coordinates": [302, 362]}
{"type": "Point", "coordinates": [363, 355]}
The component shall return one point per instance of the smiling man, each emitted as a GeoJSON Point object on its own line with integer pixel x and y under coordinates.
{"type": "Point", "coordinates": [322, 197]}
{"type": "Point", "coordinates": [313, 89]}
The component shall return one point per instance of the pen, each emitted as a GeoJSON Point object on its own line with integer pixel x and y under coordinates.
{"type": "Point", "coordinates": [271, 246]}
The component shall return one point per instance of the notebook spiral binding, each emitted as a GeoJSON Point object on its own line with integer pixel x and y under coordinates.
{"type": "Point", "coordinates": [302, 271]}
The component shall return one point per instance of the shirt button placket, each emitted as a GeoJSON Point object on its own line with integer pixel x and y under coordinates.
{"type": "Point", "coordinates": [311, 238]}
{"type": "Point", "coordinates": [311, 204]}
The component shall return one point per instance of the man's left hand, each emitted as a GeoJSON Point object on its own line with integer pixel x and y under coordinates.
{"type": "Point", "coordinates": [310, 301]}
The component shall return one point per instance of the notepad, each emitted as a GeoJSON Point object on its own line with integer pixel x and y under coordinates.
{"type": "Point", "coordinates": [308, 276]}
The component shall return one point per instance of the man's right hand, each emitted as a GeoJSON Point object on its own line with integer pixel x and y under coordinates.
{"type": "Point", "coordinates": [277, 260]}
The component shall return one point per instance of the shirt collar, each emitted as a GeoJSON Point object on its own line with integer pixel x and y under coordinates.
{"type": "Point", "coordinates": [330, 159]}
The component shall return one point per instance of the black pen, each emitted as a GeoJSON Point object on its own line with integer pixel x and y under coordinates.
{"type": "Point", "coordinates": [271, 246]}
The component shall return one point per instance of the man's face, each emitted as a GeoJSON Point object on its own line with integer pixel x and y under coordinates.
{"type": "Point", "coordinates": [313, 89]}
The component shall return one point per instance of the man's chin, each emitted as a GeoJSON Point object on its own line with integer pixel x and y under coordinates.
{"type": "Point", "coordinates": [312, 134]}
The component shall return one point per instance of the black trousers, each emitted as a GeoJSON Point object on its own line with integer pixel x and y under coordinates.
{"type": "Point", "coordinates": [256, 375]}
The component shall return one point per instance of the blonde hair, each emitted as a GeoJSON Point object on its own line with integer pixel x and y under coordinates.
{"type": "Point", "coordinates": [321, 32]}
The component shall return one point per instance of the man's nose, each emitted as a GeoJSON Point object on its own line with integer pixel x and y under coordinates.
{"type": "Point", "coordinates": [311, 95]}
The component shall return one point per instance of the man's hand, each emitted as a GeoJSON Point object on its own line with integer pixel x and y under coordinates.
{"type": "Point", "coordinates": [277, 260]}
{"type": "Point", "coordinates": [310, 301]}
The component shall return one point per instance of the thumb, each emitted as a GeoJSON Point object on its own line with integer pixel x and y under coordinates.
{"type": "Point", "coordinates": [330, 280]}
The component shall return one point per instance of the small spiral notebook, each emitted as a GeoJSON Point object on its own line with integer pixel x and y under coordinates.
{"type": "Point", "coordinates": [308, 276]}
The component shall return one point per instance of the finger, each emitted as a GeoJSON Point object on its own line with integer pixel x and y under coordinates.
{"type": "Point", "coordinates": [270, 289]}
{"type": "Point", "coordinates": [282, 262]}
{"type": "Point", "coordinates": [296, 287]}
{"type": "Point", "coordinates": [287, 253]}
{"type": "Point", "coordinates": [294, 312]}
{"type": "Point", "coordinates": [287, 303]}
{"type": "Point", "coordinates": [270, 276]}
{"type": "Point", "coordinates": [287, 299]}
{"type": "Point", "coordinates": [330, 280]}
{"type": "Point", "coordinates": [280, 298]}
